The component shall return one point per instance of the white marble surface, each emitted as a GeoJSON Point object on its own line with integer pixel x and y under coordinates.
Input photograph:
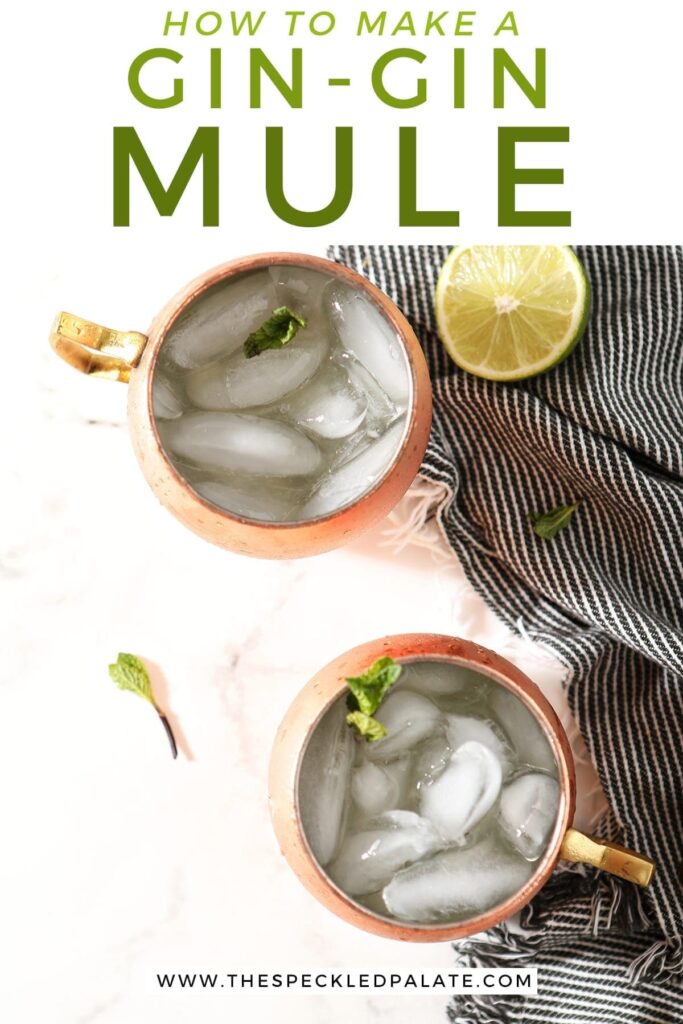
{"type": "Point", "coordinates": [116, 861]}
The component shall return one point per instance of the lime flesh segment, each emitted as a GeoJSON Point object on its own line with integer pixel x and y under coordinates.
{"type": "Point", "coordinates": [507, 312]}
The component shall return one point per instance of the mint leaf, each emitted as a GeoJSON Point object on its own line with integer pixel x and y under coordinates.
{"type": "Point", "coordinates": [370, 688]}
{"type": "Point", "coordinates": [367, 726]}
{"type": "Point", "coordinates": [367, 693]}
{"type": "Point", "coordinates": [547, 524]}
{"type": "Point", "coordinates": [129, 673]}
{"type": "Point", "coordinates": [275, 332]}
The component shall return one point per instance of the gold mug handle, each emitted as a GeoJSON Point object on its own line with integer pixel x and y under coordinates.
{"type": "Point", "coordinates": [582, 849]}
{"type": "Point", "coordinates": [94, 350]}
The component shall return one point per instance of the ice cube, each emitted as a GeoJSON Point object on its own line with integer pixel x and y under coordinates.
{"type": "Point", "coordinates": [377, 788]}
{"type": "Point", "coordinates": [365, 332]}
{"type": "Point", "coordinates": [461, 729]}
{"type": "Point", "coordinates": [220, 320]}
{"type": "Point", "coordinates": [431, 757]}
{"type": "Point", "coordinates": [465, 791]}
{"type": "Point", "coordinates": [324, 782]}
{"type": "Point", "coordinates": [240, 443]}
{"type": "Point", "coordinates": [348, 448]}
{"type": "Point", "coordinates": [408, 719]}
{"type": "Point", "coordinates": [399, 769]}
{"type": "Point", "coordinates": [300, 289]}
{"type": "Point", "coordinates": [241, 383]}
{"type": "Point", "coordinates": [367, 860]}
{"type": "Point", "coordinates": [373, 789]}
{"type": "Point", "coordinates": [331, 406]}
{"type": "Point", "coordinates": [267, 505]}
{"type": "Point", "coordinates": [456, 884]}
{"type": "Point", "coordinates": [346, 483]}
{"type": "Point", "coordinates": [166, 402]}
{"type": "Point", "coordinates": [528, 808]}
{"type": "Point", "coordinates": [520, 726]}
{"type": "Point", "coordinates": [441, 678]}
{"type": "Point", "coordinates": [381, 410]}
{"type": "Point", "coordinates": [374, 902]}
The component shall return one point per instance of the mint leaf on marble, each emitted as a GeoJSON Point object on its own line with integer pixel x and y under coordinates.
{"type": "Point", "coordinates": [367, 693]}
{"type": "Point", "coordinates": [129, 673]}
{"type": "Point", "coordinates": [275, 332]}
{"type": "Point", "coordinates": [547, 524]}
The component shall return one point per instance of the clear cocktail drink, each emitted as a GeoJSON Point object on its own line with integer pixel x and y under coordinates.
{"type": "Point", "coordinates": [447, 815]}
{"type": "Point", "coordinates": [293, 433]}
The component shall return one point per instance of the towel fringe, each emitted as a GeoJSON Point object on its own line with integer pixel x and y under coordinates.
{"type": "Point", "coordinates": [499, 947]}
{"type": "Point", "coordinates": [471, 1010]}
{"type": "Point", "coordinates": [662, 960]}
{"type": "Point", "coordinates": [605, 904]}
{"type": "Point", "coordinates": [611, 905]}
{"type": "Point", "coordinates": [413, 519]}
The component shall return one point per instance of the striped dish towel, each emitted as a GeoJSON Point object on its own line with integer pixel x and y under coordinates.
{"type": "Point", "coordinates": [606, 594]}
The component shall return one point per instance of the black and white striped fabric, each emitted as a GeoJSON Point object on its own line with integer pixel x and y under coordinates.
{"type": "Point", "coordinates": [606, 594]}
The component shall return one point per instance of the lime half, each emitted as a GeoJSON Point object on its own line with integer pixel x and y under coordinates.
{"type": "Point", "coordinates": [506, 312]}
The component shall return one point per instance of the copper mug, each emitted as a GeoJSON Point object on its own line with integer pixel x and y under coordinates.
{"type": "Point", "coordinates": [131, 357]}
{"type": "Point", "coordinates": [328, 685]}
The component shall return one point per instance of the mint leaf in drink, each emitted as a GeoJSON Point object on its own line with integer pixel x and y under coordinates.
{"type": "Point", "coordinates": [275, 332]}
{"type": "Point", "coordinates": [367, 693]}
{"type": "Point", "coordinates": [129, 673]}
{"type": "Point", "coordinates": [366, 725]}
{"type": "Point", "coordinates": [547, 524]}
{"type": "Point", "coordinates": [371, 688]}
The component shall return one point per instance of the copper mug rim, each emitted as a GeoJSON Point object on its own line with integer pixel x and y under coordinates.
{"type": "Point", "coordinates": [326, 687]}
{"type": "Point", "coordinates": [131, 357]}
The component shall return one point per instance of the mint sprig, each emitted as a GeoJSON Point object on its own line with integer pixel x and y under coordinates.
{"type": "Point", "coordinates": [547, 524]}
{"type": "Point", "coordinates": [367, 693]}
{"type": "Point", "coordinates": [275, 332]}
{"type": "Point", "coordinates": [129, 673]}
